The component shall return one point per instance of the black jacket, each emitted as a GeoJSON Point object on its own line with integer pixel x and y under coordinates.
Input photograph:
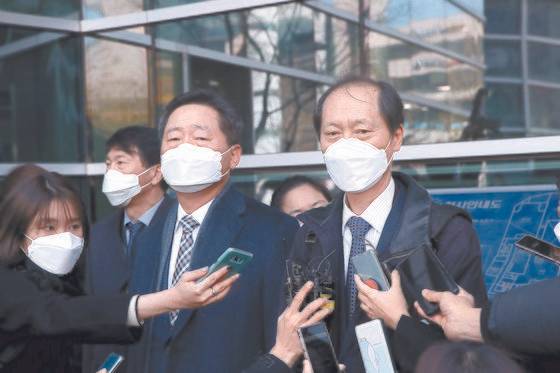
{"type": "Point", "coordinates": [39, 321]}
{"type": "Point", "coordinates": [526, 320]}
{"type": "Point", "coordinates": [415, 221]}
{"type": "Point", "coordinates": [110, 272]}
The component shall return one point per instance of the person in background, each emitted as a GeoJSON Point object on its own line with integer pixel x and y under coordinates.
{"type": "Point", "coordinates": [359, 122]}
{"type": "Point", "coordinates": [465, 357]}
{"type": "Point", "coordinates": [298, 194]}
{"type": "Point", "coordinates": [122, 255]}
{"type": "Point", "coordinates": [43, 231]}
{"type": "Point", "coordinates": [200, 148]}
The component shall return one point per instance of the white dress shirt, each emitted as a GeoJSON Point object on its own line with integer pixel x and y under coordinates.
{"type": "Point", "coordinates": [376, 215]}
{"type": "Point", "coordinates": [198, 215]}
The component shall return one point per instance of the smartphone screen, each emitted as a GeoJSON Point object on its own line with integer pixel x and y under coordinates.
{"type": "Point", "coordinates": [319, 349]}
{"type": "Point", "coordinates": [374, 347]}
{"type": "Point", "coordinates": [112, 362]}
{"type": "Point", "coordinates": [539, 247]}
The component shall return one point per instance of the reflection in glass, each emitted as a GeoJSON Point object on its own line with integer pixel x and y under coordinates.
{"type": "Point", "coordinates": [41, 108]}
{"type": "Point", "coordinates": [116, 89]}
{"type": "Point", "coordinates": [503, 16]}
{"type": "Point", "coordinates": [53, 8]}
{"type": "Point", "coordinates": [424, 125]}
{"type": "Point", "coordinates": [543, 18]}
{"type": "Point", "coordinates": [503, 58]}
{"type": "Point", "coordinates": [105, 8]}
{"type": "Point", "coordinates": [283, 114]}
{"type": "Point", "coordinates": [544, 62]}
{"type": "Point", "coordinates": [505, 104]}
{"type": "Point", "coordinates": [436, 22]}
{"type": "Point", "coordinates": [413, 70]}
{"type": "Point", "coordinates": [290, 35]}
{"type": "Point", "coordinates": [545, 110]}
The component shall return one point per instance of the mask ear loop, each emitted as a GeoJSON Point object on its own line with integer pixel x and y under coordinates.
{"type": "Point", "coordinates": [142, 173]}
{"type": "Point", "coordinates": [221, 155]}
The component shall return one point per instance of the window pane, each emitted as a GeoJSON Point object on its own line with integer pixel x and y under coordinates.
{"type": "Point", "coordinates": [283, 114]}
{"type": "Point", "coordinates": [106, 8]}
{"type": "Point", "coordinates": [503, 58]}
{"type": "Point", "coordinates": [41, 108]}
{"type": "Point", "coordinates": [543, 18]}
{"type": "Point", "coordinates": [544, 62]}
{"type": "Point", "coordinates": [505, 105]}
{"type": "Point", "coordinates": [423, 73]}
{"type": "Point", "coordinates": [545, 110]}
{"type": "Point", "coordinates": [277, 111]}
{"type": "Point", "coordinates": [435, 22]}
{"type": "Point", "coordinates": [117, 89]}
{"type": "Point", "coordinates": [503, 16]}
{"type": "Point", "coordinates": [291, 35]}
{"type": "Point", "coordinates": [53, 8]}
{"type": "Point", "coordinates": [424, 125]}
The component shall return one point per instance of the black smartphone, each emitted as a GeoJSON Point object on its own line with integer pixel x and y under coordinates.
{"type": "Point", "coordinates": [369, 268]}
{"type": "Point", "coordinates": [539, 247]}
{"type": "Point", "coordinates": [318, 348]}
{"type": "Point", "coordinates": [421, 270]}
{"type": "Point", "coordinates": [112, 362]}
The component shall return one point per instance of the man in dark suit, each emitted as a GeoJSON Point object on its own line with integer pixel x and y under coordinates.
{"type": "Point", "coordinates": [360, 127]}
{"type": "Point", "coordinates": [200, 147]}
{"type": "Point", "coordinates": [124, 251]}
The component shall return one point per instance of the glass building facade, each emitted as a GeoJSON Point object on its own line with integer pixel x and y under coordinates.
{"type": "Point", "coordinates": [480, 81]}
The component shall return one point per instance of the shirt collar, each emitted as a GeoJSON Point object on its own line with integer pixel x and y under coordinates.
{"type": "Point", "coordinates": [377, 212]}
{"type": "Point", "coordinates": [199, 214]}
{"type": "Point", "coordinates": [147, 216]}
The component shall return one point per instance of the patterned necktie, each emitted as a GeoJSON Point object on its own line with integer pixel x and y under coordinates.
{"type": "Point", "coordinates": [188, 225]}
{"type": "Point", "coordinates": [133, 230]}
{"type": "Point", "coordinates": [359, 228]}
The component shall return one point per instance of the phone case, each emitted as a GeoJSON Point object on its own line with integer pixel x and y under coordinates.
{"type": "Point", "coordinates": [367, 266]}
{"type": "Point", "coordinates": [422, 269]}
{"type": "Point", "coordinates": [374, 347]}
{"type": "Point", "coordinates": [235, 259]}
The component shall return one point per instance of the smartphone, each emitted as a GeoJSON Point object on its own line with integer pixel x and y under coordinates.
{"type": "Point", "coordinates": [540, 248]}
{"type": "Point", "coordinates": [236, 260]}
{"type": "Point", "coordinates": [369, 268]}
{"type": "Point", "coordinates": [111, 363]}
{"type": "Point", "coordinates": [318, 348]}
{"type": "Point", "coordinates": [374, 347]}
{"type": "Point", "coordinates": [422, 269]}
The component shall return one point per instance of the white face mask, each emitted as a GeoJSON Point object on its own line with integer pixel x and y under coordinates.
{"type": "Point", "coordinates": [56, 253]}
{"type": "Point", "coordinates": [189, 168]}
{"type": "Point", "coordinates": [120, 188]}
{"type": "Point", "coordinates": [355, 165]}
{"type": "Point", "coordinates": [557, 231]}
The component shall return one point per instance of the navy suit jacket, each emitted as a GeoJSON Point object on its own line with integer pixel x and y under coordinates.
{"type": "Point", "coordinates": [229, 335]}
{"type": "Point", "coordinates": [109, 272]}
{"type": "Point", "coordinates": [408, 226]}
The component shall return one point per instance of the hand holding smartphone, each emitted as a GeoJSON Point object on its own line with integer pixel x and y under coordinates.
{"type": "Point", "coordinates": [235, 259]}
{"type": "Point", "coordinates": [371, 271]}
{"type": "Point", "coordinates": [318, 348]}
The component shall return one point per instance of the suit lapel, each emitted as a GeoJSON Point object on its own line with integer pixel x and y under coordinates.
{"type": "Point", "coordinates": [122, 275]}
{"type": "Point", "coordinates": [166, 242]}
{"type": "Point", "coordinates": [147, 250]}
{"type": "Point", "coordinates": [217, 232]}
{"type": "Point", "coordinates": [331, 240]}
